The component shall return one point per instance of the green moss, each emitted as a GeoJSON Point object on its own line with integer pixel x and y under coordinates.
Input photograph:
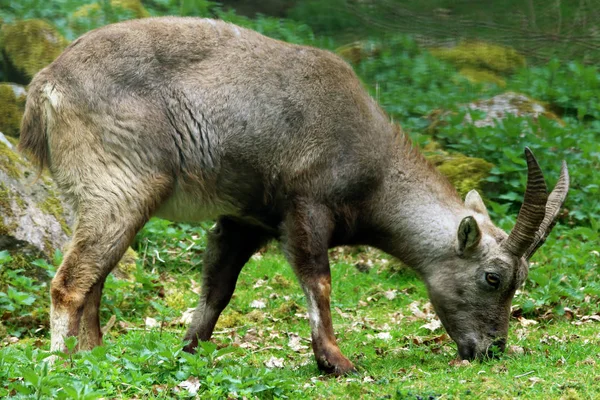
{"type": "Point", "coordinates": [53, 206]}
{"type": "Point", "coordinates": [280, 281]}
{"type": "Point", "coordinates": [482, 76]}
{"type": "Point", "coordinates": [7, 229]}
{"type": "Point", "coordinates": [5, 201]}
{"type": "Point", "coordinates": [288, 309]}
{"type": "Point", "coordinates": [11, 110]}
{"type": "Point", "coordinates": [481, 55]}
{"type": "Point", "coordinates": [12, 140]}
{"type": "Point", "coordinates": [91, 14]}
{"type": "Point", "coordinates": [465, 173]}
{"type": "Point", "coordinates": [30, 45]}
{"type": "Point", "coordinates": [48, 246]}
{"type": "Point", "coordinates": [255, 316]}
{"type": "Point", "coordinates": [174, 298]}
{"type": "Point", "coordinates": [19, 261]}
{"type": "Point", "coordinates": [528, 106]}
{"type": "Point", "coordinates": [230, 320]}
{"type": "Point", "coordinates": [19, 200]}
{"type": "Point", "coordinates": [127, 264]}
{"type": "Point", "coordinates": [10, 162]}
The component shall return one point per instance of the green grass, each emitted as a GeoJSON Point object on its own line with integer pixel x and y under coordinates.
{"type": "Point", "coordinates": [381, 317]}
{"type": "Point", "coordinates": [377, 322]}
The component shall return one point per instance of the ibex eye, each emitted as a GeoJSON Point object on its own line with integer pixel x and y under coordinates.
{"type": "Point", "coordinates": [492, 279]}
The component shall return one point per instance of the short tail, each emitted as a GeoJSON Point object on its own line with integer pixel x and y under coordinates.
{"type": "Point", "coordinates": [33, 139]}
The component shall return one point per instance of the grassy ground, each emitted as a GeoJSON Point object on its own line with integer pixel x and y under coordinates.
{"type": "Point", "coordinates": [262, 349]}
{"type": "Point", "coordinates": [382, 318]}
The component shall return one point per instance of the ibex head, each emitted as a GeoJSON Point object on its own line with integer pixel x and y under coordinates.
{"type": "Point", "coordinates": [472, 291]}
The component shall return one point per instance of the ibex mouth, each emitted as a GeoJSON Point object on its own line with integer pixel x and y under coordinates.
{"type": "Point", "coordinates": [496, 348]}
{"type": "Point", "coordinates": [469, 350]}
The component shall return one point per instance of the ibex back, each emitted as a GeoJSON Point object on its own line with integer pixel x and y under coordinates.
{"type": "Point", "coordinates": [191, 119]}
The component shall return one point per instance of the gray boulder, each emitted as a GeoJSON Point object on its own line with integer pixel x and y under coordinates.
{"type": "Point", "coordinates": [34, 221]}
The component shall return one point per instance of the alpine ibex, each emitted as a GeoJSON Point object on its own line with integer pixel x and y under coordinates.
{"type": "Point", "coordinates": [191, 119]}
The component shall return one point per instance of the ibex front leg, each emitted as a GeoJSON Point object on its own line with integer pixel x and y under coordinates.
{"type": "Point", "coordinates": [230, 245]}
{"type": "Point", "coordinates": [307, 231]}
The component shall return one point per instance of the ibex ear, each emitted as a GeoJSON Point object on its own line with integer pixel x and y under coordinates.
{"type": "Point", "coordinates": [469, 235]}
{"type": "Point", "coordinates": [475, 203]}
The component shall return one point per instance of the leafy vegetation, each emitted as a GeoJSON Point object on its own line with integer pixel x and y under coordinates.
{"type": "Point", "coordinates": [381, 316]}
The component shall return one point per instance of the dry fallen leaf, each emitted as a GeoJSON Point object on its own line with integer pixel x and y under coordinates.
{"type": "Point", "coordinates": [109, 324]}
{"type": "Point", "coordinates": [259, 283]}
{"type": "Point", "coordinates": [429, 340]}
{"type": "Point", "coordinates": [191, 384]}
{"type": "Point", "coordinates": [459, 363]}
{"type": "Point", "coordinates": [516, 350]}
{"type": "Point", "coordinates": [383, 335]}
{"type": "Point", "coordinates": [414, 308]}
{"type": "Point", "coordinates": [341, 313]}
{"type": "Point", "coordinates": [569, 314]}
{"type": "Point", "coordinates": [390, 294]}
{"type": "Point", "coordinates": [151, 323]}
{"type": "Point", "coordinates": [527, 322]}
{"type": "Point", "coordinates": [433, 325]}
{"type": "Point", "coordinates": [186, 316]}
{"type": "Point", "coordinates": [196, 287]}
{"type": "Point", "coordinates": [274, 362]}
{"type": "Point", "coordinates": [258, 304]}
{"type": "Point", "coordinates": [591, 317]}
{"type": "Point", "coordinates": [295, 344]}
{"type": "Point", "coordinates": [12, 339]}
{"type": "Point", "coordinates": [535, 379]}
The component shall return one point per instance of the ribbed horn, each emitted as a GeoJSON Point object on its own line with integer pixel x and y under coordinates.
{"type": "Point", "coordinates": [553, 206]}
{"type": "Point", "coordinates": [532, 211]}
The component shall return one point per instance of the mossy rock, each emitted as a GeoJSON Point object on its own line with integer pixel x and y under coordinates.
{"type": "Point", "coordinates": [517, 104]}
{"type": "Point", "coordinates": [495, 109]}
{"type": "Point", "coordinates": [92, 15]}
{"type": "Point", "coordinates": [30, 45]}
{"type": "Point", "coordinates": [465, 173]}
{"type": "Point", "coordinates": [358, 51]}
{"type": "Point", "coordinates": [12, 105]}
{"type": "Point", "coordinates": [481, 55]}
{"type": "Point", "coordinates": [31, 214]}
{"type": "Point", "coordinates": [11, 163]}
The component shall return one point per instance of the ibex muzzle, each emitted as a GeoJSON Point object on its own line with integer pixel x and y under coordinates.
{"type": "Point", "coordinates": [191, 119]}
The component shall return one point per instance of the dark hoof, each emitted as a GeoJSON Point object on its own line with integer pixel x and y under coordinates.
{"type": "Point", "coordinates": [190, 348]}
{"type": "Point", "coordinates": [339, 366]}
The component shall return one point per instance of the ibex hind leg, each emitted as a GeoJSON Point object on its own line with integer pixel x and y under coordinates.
{"type": "Point", "coordinates": [106, 225]}
{"type": "Point", "coordinates": [230, 245]}
{"type": "Point", "coordinates": [306, 233]}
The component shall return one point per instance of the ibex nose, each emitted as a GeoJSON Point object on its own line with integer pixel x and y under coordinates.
{"type": "Point", "coordinates": [467, 350]}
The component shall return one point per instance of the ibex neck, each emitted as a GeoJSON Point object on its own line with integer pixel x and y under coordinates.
{"type": "Point", "coordinates": [419, 210]}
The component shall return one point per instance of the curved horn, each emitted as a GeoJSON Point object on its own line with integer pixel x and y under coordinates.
{"type": "Point", "coordinates": [553, 206]}
{"type": "Point", "coordinates": [532, 211]}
